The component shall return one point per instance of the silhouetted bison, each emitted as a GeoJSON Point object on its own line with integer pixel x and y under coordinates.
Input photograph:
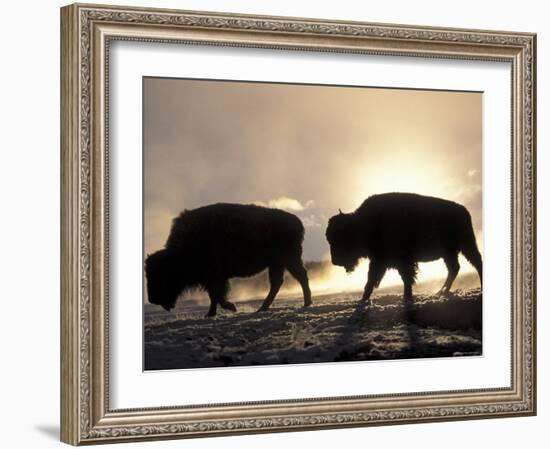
{"type": "Point", "coordinates": [398, 230]}
{"type": "Point", "coordinates": [209, 245]}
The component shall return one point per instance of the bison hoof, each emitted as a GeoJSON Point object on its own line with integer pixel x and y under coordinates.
{"type": "Point", "coordinates": [262, 309]}
{"type": "Point", "coordinates": [229, 306]}
{"type": "Point", "coordinates": [210, 315]}
{"type": "Point", "coordinates": [365, 301]}
{"type": "Point", "coordinates": [307, 303]}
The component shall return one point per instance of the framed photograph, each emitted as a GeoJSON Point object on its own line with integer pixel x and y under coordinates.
{"type": "Point", "coordinates": [279, 224]}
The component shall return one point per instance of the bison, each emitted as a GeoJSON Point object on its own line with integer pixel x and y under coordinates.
{"type": "Point", "coordinates": [209, 245]}
{"type": "Point", "coordinates": [398, 230]}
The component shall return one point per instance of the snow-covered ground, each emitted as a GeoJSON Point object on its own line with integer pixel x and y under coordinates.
{"type": "Point", "coordinates": [337, 327]}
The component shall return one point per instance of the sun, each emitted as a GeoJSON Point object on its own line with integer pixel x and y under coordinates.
{"type": "Point", "coordinates": [404, 170]}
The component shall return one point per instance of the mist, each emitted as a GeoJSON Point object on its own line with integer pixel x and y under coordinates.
{"type": "Point", "coordinates": [310, 150]}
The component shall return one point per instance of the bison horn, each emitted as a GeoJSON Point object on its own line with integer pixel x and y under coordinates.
{"type": "Point", "coordinates": [340, 210]}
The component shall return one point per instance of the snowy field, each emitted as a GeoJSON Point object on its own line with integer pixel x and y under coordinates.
{"type": "Point", "coordinates": [337, 327]}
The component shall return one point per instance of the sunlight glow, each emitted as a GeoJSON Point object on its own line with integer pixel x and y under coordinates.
{"type": "Point", "coordinates": [337, 280]}
{"type": "Point", "coordinates": [413, 171]}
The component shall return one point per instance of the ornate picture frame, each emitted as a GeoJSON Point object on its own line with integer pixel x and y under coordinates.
{"type": "Point", "coordinates": [87, 31]}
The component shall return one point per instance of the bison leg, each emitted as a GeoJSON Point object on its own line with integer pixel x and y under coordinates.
{"type": "Point", "coordinates": [300, 274]}
{"type": "Point", "coordinates": [228, 305]}
{"type": "Point", "coordinates": [275, 280]}
{"type": "Point", "coordinates": [376, 273]}
{"type": "Point", "coordinates": [212, 309]}
{"type": "Point", "coordinates": [408, 274]}
{"type": "Point", "coordinates": [217, 293]}
{"type": "Point", "coordinates": [451, 261]}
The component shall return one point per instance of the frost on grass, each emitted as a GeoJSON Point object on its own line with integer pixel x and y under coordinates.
{"type": "Point", "coordinates": [337, 327]}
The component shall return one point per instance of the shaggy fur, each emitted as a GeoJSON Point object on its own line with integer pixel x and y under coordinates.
{"type": "Point", "coordinates": [398, 230]}
{"type": "Point", "coordinates": [209, 245]}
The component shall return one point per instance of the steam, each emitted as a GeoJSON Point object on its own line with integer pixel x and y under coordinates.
{"type": "Point", "coordinates": [325, 278]}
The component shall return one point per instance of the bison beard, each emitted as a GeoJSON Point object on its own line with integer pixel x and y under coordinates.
{"type": "Point", "coordinates": [398, 230]}
{"type": "Point", "coordinates": [212, 244]}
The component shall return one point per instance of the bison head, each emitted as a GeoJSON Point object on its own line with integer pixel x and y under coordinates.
{"type": "Point", "coordinates": [163, 284]}
{"type": "Point", "coordinates": [341, 232]}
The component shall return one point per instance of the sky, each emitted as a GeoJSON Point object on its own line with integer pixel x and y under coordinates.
{"type": "Point", "coordinates": [311, 150]}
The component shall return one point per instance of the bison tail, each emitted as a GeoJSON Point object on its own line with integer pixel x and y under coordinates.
{"type": "Point", "coordinates": [470, 250]}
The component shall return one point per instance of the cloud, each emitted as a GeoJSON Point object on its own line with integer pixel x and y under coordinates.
{"type": "Point", "coordinates": [311, 221]}
{"type": "Point", "coordinates": [286, 203]}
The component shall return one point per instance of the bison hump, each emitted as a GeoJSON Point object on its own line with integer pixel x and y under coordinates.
{"type": "Point", "coordinates": [233, 222]}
